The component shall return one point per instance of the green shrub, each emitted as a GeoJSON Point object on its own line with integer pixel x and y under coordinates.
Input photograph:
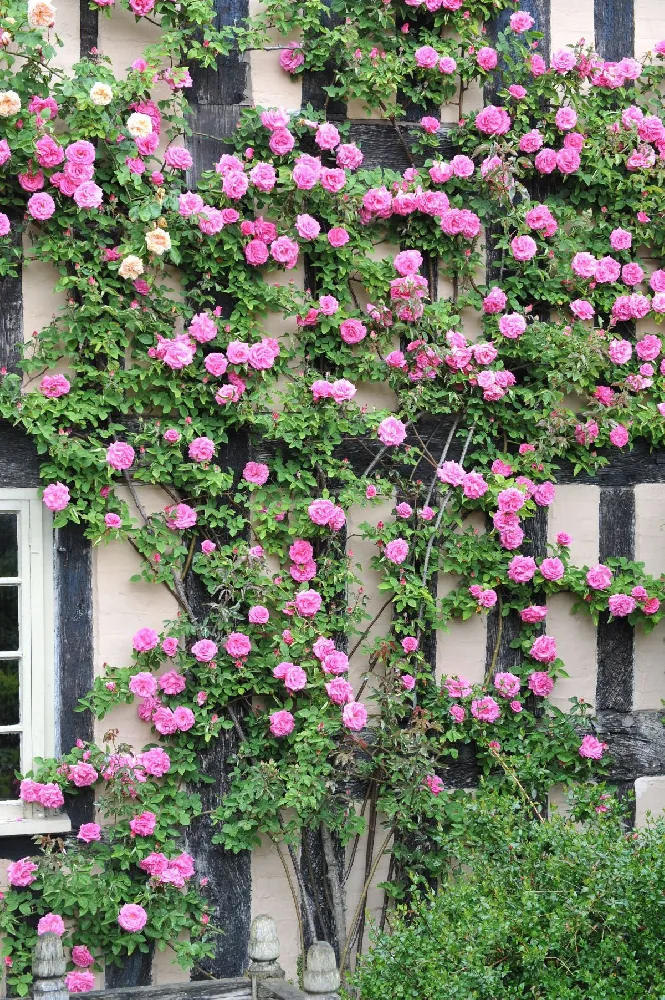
{"type": "Point", "coordinates": [554, 910]}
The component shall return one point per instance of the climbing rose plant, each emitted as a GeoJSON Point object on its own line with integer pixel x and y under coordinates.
{"type": "Point", "coordinates": [158, 371]}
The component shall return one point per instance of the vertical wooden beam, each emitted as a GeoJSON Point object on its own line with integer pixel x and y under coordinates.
{"type": "Point", "coordinates": [88, 29]}
{"type": "Point", "coordinates": [616, 521]}
{"type": "Point", "coordinates": [11, 308]}
{"type": "Point", "coordinates": [614, 24]}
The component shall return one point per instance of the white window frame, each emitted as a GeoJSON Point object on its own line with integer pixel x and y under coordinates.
{"type": "Point", "coordinates": [36, 656]}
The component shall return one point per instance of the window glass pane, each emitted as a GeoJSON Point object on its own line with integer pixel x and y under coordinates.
{"type": "Point", "coordinates": [10, 714]}
{"type": "Point", "coordinates": [8, 618]}
{"type": "Point", "coordinates": [10, 761]}
{"type": "Point", "coordinates": [8, 544]}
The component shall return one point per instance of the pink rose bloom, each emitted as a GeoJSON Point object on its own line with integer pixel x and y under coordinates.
{"type": "Point", "coordinates": [5, 224]}
{"type": "Point", "coordinates": [584, 265]}
{"type": "Point", "coordinates": [563, 539]}
{"type": "Point", "coordinates": [335, 662]}
{"type": "Point", "coordinates": [163, 719]}
{"type": "Point", "coordinates": [352, 331]}
{"type": "Point", "coordinates": [408, 262]}
{"type": "Point", "coordinates": [328, 305]}
{"type": "Point", "coordinates": [545, 161]}
{"type": "Point", "coordinates": [143, 825]}
{"type": "Point", "coordinates": [494, 301]}
{"type": "Point", "coordinates": [285, 251]}
{"type": "Point", "coordinates": [308, 603]}
{"type": "Point", "coordinates": [518, 92]}
{"type": "Point", "coordinates": [155, 762]}
{"type": "Point", "coordinates": [534, 613]}
{"type": "Point", "coordinates": [204, 650]}
{"type": "Point", "coordinates": [521, 569]}
{"type": "Point", "coordinates": [621, 605]}
{"type": "Point", "coordinates": [172, 682]}
{"type": "Point", "coordinates": [349, 156]}
{"type": "Point", "coordinates": [338, 236]}
{"type": "Point", "coordinates": [409, 644]}
{"type": "Point", "coordinates": [216, 364]}
{"type": "Point", "coordinates": [256, 252]}
{"type": "Point", "coordinates": [291, 58]}
{"type": "Point", "coordinates": [327, 136]}
{"type": "Point", "coordinates": [599, 577]}
{"type": "Point", "coordinates": [462, 166]}
{"type": "Point", "coordinates": [256, 472]}
{"type": "Point", "coordinates": [183, 718]}
{"type": "Point", "coordinates": [301, 551]}
{"type": "Point", "coordinates": [531, 141]}
{"type": "Point", "coordinates": [78, 981]}
{"type": "Point", "coordinates": [620, 351]}
{"type": "Point", "coordinates": [263, 176]}
{"type": "Point", "coordinates": [170, 646]}
{"type": "Point", "coordinates": [56, 496]}
{"type": "Point", "coordinates": [451, 473]}
{"type": "Point", "coordinates": [434, 783]}
{"type": "Point", "coordinates": [112, 520]}
{"type": "Point", "coordinates": [29, 790]}
{"type": "Point", "coordinates": [320, 511]}
{"type": "Point", "coordinates": [608, 270]}
{"type": "Point", "coordinates": [523, 248]}
{"type": "Point", "coordinates": [493, 121]}
{"type": "Point", "coordinates": [202, 328]}
{"type": "Point", "coordinates": [41, 206]}
{"type": "Point", "coordinates": [132, 918]}
{"type": "Point", "coordinates": [565, 118]}
{"type": "Point", "coordinates": [88, 195]}
{"type": "Point", "coordinates": [457, 713]}
{"type": "Point", "coordinates": [552, 569]}
{"type": "Point", "coordinates": [563, 61]}
{"type": "Point", "coordinates": [354, 715]}
{"type": "Point", "coordinates": [408, 682]}
{"type": "Point", "coordinates": [396, 551]}
{"type": "Point", "coordinates": [426, 57]}
{"type": "Point", "coordinates": [258, 615]}
{"type": "Point", "coordinates": [521, 21]}
{"type": "Point", "coordinates": [620, 239]}
{"type": "Point", "coordinates": [458, 687]}
{"type": "Point", "coordinates": [487, 58]}
{"type": "Point", "coordinates": [592, 748]}
{"type": "Point", "coordinates": [120, 455]}
{"type": "Point", "coordinates": [507, 684]}
{"type": "Point", "coordinates": [541, 683]}
{"type": "Point", "coordinates": [201, 449]}
{"type": "Point", "coordinates": [649, 347]}
{"type": "Point", "coordinates": [632, 274]}
{"type": "Point", "coordinates": [429, 124]}
{"type": "Point", "coordinates": [582, 309]}
{"type": "Point", "coordinates": [21, 873]}
{"type": "Point", "coordinates": [54, 386]}
{"type": "Point", "coordinates": [473, 485]}
{"type": "Point", "coordinates": [512, 325]}
{"type": "Point", "coordinates": [619, 436]}
{"type": "Point", "coordinates": [144, 640]}
{"type": "Point", "coordinates": [51, 923]}
{"type": "Point", "coordinates": [544, 494]}
{"type": "Point", "coordinates": [501, 468]}
{"type": "Point", "coordinates": [171, 436]}
{"type": "Point", "coordinates": [81, 956]}
{"type": "Point", "coordinates": [87, 833]}
{"type": "Point", "coordinates": [391, 431]}
{"type": "Point", "coordinates": [237, 645]}
{"type": "Point", "coordinates": [543, 649]}
{"type": "Point", "coordinates": [485, 709]}
{"type": "Point", "coordinates": [281, 723]}
{"type": "Point", "coordinates": [308, 228]}
{"type": "Point", "coordinates": [83, 774]}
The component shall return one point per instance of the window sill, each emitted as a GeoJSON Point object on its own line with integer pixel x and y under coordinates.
{"type": "Point", "coordinates": [32, 826]}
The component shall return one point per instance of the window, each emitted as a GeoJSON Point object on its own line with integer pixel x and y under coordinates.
{"type": "Point", "coordinates": [26, 655]}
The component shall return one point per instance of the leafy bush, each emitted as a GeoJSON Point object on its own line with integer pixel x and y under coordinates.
{"type": "Point", "coordinates": [559, 909]}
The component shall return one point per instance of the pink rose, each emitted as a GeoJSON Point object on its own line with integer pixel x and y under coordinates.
{"type": "Point", "coordinates": [521, 569]}
{"type": "Point", "coordinates": [112, 520]}
{"type": "Point", "coordinates": [83, 774]}
{"type": "Point", "coordinates": [540, 683]}
{"type": "Point", "coordinates": [485, 709]}
{"type": "Point", "coordinates": [256, 472]}
{"type": "Point", "coordinates": [599, 577]}
{"type": "Point", "coordinates": [619, 436]}
{"type": "Point", "coordinates": [120, 455]}
{"type": "Point", "coordinates": [521, 21]}
{"type": "Point", "coordinates": [143, 825]}
{"type": "Point", "coordinates": [354, 715]}
{"type": "Point", "coordinates": [396, 551]}
{"type": "Point", "coordinates": [552, 569]}
{"type": "Point", "coordinates": [523, 248]}
{"type": "Point", "coordinates": [451, 473]}
{"type": "Point", "coordinates": [281, 723]}
{"type": "Point", "coordinates": [473, 485]}
{"type": "Point", "coordinates": [457, 713]}
{"type": "Point", "coordinates": [409, 644]}
{"type": "Point", "coordinates": [391, 431]}
{"type": "Point", "coordinates": [81, 956]}
{"type": "Point", "coordinates": [291, 58]}
{"type": "Point", "coordinates": [507, 684]}
{"type": "Point", "coordinates": [201, 449]}
{"type": "Point", "coordinates": [620, 351]}
{"type": "Point", "coordinates": [512, 325]}
{"type": "Point", "coordinates": [308, 603]}
{"type": "Point", "coordinates": [144, 640]}
{"type": "Point", "coordinates": [170, 646]}
{"type": "Point", "coordinates": [184, 718]}
{"type": "Point", "coordinates": [487, 58]}
{"type": "Point", "coordinates": [621, 605]}
{"type": "Point", "coordinates": [172, 682]}
{"type": "Point", "coordinates": [592, 748]}
{"type": "Point", "coordinates": [51, 923]}
{"type": "Point", "coordinates": [204, 650]}
{"type": "Point", "coordinates": [132, 918]}
{"type": "Point", "coordinates": [56, 496]}
{"type": "Point", "coordinates": [493, 121]}
{"type": "Point", "coordinates": [352, 331]}
{"type": "Point", "coordinates": [543, 649]}
{"type": "Point", "coordinates": [155, 762]}
{"type": "Point", "coordinates": [408, 682]}
{"type": "Point", "coordinates": [21, 873]}
{"type": "Point", "coordinates": [426, 57]}
{"type": "Point", "coordinates": [87, 833]}
{"type": "Point", "coordinates": [41, 206]}
{"type": "Point", "coordinates": [237, 645]}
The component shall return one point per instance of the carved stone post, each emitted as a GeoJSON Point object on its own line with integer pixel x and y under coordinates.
{"type": "Point", "coordinates": [48, 969]}
{"type": "Point", "coordinates": [263, 952]}
{"type": "Point", "coordinates": [321, 976]}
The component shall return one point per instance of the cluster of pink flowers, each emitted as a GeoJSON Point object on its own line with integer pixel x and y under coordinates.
{"type": "Point", "coordinates": [325, 513]}
{"type": "Point", "coordinates": [48, 795]}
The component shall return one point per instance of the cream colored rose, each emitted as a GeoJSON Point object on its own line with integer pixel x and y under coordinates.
{"type": "Point", "coordinates": [41, 14]}
{"type": "Point", "coordinates": [101, 94]}
{"type": "Point", "coordinates": [158, 241]}
{"type": "Point", "coordinates": [139, 126]}
{"type": "Point", "coordinates": [131, 267]}
{"type": "Point", "coordinates": [10, 103]}
{"type": "Point", "coordinates": [5, 38]}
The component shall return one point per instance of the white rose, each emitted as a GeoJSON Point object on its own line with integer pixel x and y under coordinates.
{"type": "Point", "coordinates": [5, 38]}
{"type": "Point", "coordinates": [139, 126]}
{"type": "Point", "coordinates": [41, 14]}
{"type": "Point", "coordinates": [101, 94]}
{"type": "Point", "coordinates": [158, 241]}
{"type": "Point", "coordinates": [10, 103]}
{"type": "Point", "coordinates": [131, 267]}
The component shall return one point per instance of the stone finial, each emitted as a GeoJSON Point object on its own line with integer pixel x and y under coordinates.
{"type": "Point", "coordinates": [48, 968]}
{"type": "Point", "coordinates": [263, 951]}
{"type": "Point", "coordinates": [321, 976]}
